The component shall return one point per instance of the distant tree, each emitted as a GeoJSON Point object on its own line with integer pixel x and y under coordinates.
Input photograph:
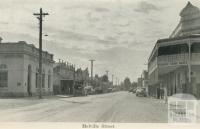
{"type": "Point", "coordinates": [105, 78]}
{"type": "Point", "coordinates": [127, 83]}
{"type": "Point", "coordinates": [134, 84]}
{"type": "Point", "coordinates": [96, 76]}
{"type": "Point", "coordinates": [122, 86]}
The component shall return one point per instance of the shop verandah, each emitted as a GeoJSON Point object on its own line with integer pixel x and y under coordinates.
{"type": "Point", "coordinates": [69, 87]}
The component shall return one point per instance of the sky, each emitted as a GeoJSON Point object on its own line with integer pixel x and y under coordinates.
{"type": "Point", "coordinates": [118, 34]}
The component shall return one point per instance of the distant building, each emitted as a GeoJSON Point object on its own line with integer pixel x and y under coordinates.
{"type": "Point", "coordinates": [65, 76]}
{"type": "Point", "coordinates": [145, 80]}
{"type": "Point", "coordinates": [174, 62]}
{"type": "Point", "coordinates": [82, 75]}
{"type": "Point", "coordinates": [139, 82]}
{"type": "Point", "coordinates": [19, 66]}
{"type": "Point", "coordinates": [101, 84]}
{"type": "Point", "coordinates": [81, 80]}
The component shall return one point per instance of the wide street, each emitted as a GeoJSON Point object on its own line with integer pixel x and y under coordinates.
{"type": "Point", "coordinates": [112, 107]}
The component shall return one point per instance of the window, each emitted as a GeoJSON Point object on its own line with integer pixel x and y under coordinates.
{"type": "Point", "coordinates": [43, 79]}
{"type": "Point", "coordinates": [36, 79]}
{"type": "Point", "coordinates": [3, 78]}
{"type": "Point", "coordinates": [49, 79]}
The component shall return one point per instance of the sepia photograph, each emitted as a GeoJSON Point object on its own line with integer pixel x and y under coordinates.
{"type": "Point", "coordinates": [99, 63]}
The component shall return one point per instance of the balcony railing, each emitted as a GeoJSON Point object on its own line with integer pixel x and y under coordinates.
{"type": "Point", "coordinates": [170, 60]}
{"type": "Point", "coordinates": [174, 60]}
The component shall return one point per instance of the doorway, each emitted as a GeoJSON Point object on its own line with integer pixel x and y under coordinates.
{"type": "Point", "coordinates": [66, 87]}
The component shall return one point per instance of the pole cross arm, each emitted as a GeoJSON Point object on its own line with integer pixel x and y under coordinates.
{"type": "Point", "coordinates": [40, 14]}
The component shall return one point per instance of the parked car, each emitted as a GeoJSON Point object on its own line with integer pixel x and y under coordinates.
{"type": "Point", "coordinates": [89, 90]}
{"type": "Point", "coordinates": [141, 92]}
{"type": "Point", "coordinates": [131, 90]}
{"type": "Point", "coordinates": [109, 90]}
{"type": "Point", "coordinates": [134, 90]}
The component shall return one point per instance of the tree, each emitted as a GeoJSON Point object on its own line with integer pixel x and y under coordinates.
{"type": "Point", "coordinates": [134, 84]}
{"type": "Point", "coordinates": [105, 78]}
{"type": "Point", "coordinates": [127, 83]}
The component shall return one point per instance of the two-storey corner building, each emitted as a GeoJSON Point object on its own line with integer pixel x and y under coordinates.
{"type": "Point", "coordinates": [19, 64]}
{"type": "Point", "coordinates": [174, 62]}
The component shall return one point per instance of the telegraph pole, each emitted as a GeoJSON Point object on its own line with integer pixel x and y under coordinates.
{"type": "Point", "coordinates": [40, 18]}
{"type": "Point", "coordinates": [92, 60]}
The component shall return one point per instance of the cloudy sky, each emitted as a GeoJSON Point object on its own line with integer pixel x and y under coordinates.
{"type": "Point", "coordinates": [118, 34]}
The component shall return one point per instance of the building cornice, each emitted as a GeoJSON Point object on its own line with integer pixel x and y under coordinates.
{"type": "Point", "coordinates": [24, 48]}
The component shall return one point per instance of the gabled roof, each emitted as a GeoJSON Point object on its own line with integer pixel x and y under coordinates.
{"type": "Point", "coordinates": [189, 8]}
{"type": "Point", "coordinates": [189, 14]}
